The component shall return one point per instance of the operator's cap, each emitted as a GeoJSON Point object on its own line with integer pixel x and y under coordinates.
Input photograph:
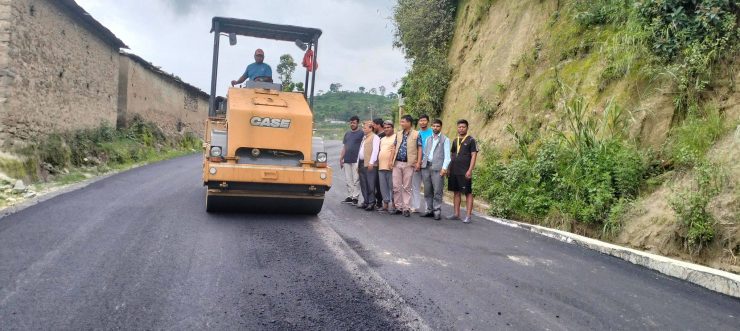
{"type": "Point", "coordinates": [259, 51]}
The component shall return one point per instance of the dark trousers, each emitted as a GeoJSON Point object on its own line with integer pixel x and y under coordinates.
{"type": "Point", "coordinates": [367, 184]}
{"type": "Point", "coordinates": [378, 193]}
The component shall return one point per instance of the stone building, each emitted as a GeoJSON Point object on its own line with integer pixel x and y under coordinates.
{"type": "Point", "coordinates": [159, 97]}
{"type": "Point", "coordinates": [58, 69]}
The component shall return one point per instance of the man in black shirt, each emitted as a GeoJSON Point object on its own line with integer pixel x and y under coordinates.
{"type": "Point", "coordinates": [348, 159]}
{"type": "Point", "coordinates": [378, 128]}
{"type": "Point", "coordinates": [464, 152]}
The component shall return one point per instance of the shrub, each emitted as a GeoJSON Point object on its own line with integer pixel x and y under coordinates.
{"type": "Point", "coordinates": [690, 36]}
{"type": "Point", "coordinates": [54, 151]}
{"type": "Point", "coordinates": [582, 173]}
{"type": "Point", "coordinates": [690, 206]}
{"type": "Point", "coordinates": [485, 107]}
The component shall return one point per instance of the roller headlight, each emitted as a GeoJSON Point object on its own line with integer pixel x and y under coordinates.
{"type": "Point", "coordinates": [216, 151]}
{"type": "Point", "coordinates": [321, 157]}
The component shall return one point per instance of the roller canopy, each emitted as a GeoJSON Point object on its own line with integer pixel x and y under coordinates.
{"type": "Point", "coordinates": [265, 30]}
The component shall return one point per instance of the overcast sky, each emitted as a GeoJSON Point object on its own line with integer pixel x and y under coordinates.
{"type": "Point", "coordinates": [354, 50]}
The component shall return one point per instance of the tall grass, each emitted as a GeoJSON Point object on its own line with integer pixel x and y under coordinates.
{"type": "Point", "coordinates": [580, 171]}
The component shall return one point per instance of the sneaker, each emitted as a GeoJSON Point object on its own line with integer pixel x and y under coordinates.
{"type": "Point", "coordinates": [453, 218]}
{"type": "Point", "coordinates": [348, 200]}
{"type": "Point", "coordinates": [467, 219]}
{"type": "Point", "coordinates": [406, 213]}
{"type": "Point", "coordinates": [437, 215]}
{"type": "Point", "coordinates": [427, 214]}
{"type": "Point", "coordinates": [414, 211]}
{"type": "Point", "coordinates": [370, 208]}
{"type": "Point", "coordinates": [362, 205]}
{"type": "Point", "coordinates": [355, 201]}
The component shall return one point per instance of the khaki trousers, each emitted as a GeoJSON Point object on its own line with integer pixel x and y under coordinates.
{"type": "Point", "coordinates": [402, 174]}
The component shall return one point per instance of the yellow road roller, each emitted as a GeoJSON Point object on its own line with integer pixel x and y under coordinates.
{"type": "Point", "coordinates": [260, 154]}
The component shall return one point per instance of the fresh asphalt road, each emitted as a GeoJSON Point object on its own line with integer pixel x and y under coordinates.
{"type": "Point", "coordinates": [137, 251]}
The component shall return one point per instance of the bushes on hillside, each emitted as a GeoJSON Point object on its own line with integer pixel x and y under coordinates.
{"type": "Point", "coordinates": [582, 172]}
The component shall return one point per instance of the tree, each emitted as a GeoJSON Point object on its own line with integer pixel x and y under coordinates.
{"type": "Point", "coordinates": [285, 71]}
{"type": "Point", "coordinates": [423, 24]}
{"type": "Point", "coordinates": [335, 87]}
{"type": "Point", "coordinates": [373, 91]}
{"type": "Point", "coordinates": [299, 86]}
{"type": "Point", "coordinates": [362, 89]}
{"type": "Point", "coordinates": [382, 90]}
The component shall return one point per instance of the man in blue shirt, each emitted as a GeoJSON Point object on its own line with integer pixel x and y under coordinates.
{"type": "Point", "coordinates": [257, 71]}
{"type": "Point", "coordinates": [424, 133]}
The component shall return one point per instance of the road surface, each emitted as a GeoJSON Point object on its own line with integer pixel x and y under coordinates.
{"type": "Point", "coordinates": [137, 251]}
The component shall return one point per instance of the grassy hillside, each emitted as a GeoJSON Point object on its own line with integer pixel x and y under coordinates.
{"type": "Point", "coordinates": [614, 119]}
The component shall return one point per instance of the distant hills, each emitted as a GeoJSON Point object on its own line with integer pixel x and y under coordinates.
{"type": "Point", "coordinates": [341, 105]}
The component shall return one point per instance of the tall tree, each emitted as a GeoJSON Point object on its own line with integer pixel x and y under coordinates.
{"type": "Point", "coordinates": [373, 91]}
{"type": "Point", "coordinates": [382, 90]}
{"type": "Point", "coordinates": [335, 87]}
{"type": "Point", "coordinates": [285, 71]}
{"type": "Point", "coordinates": [362, 89]}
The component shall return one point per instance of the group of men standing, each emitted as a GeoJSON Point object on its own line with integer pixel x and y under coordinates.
{"type": "Point", "coordinates": [388, 167]}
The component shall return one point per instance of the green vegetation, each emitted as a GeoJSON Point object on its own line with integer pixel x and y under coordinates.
{"type": "Point", "coordinates": [424, 30]}
{"type": "Point", "coordinates": [569, 173]}
{"type": "Point", "coordinates": [687, 39]}
{"type": "Point", "coordinates": [584, 167]}
{"type": "Point", "coordinates": [342, 105]}
{"type": "Point", "coordinates": [690, 206]}
{"type": "Point", "coordinates": [66, 156]}
{"type": "Point", "coordinates": [333, 109]}
{"type": "Point", "coordinates": [691, 140]}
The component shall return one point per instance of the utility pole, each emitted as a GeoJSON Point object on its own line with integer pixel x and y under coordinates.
{"type": "Point", "coordinates": [401, 103]}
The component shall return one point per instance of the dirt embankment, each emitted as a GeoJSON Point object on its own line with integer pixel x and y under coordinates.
{"type": "Point", "coordinates": [508, 58]}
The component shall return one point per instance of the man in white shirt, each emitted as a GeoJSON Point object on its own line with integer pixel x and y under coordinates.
{"type": "Point", "coordinates": [434, 164]}
{"type": "Point", "coordinates": [367, 159]}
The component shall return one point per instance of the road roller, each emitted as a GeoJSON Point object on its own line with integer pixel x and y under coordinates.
{"type": "Point", "coordinates": [260, 153]}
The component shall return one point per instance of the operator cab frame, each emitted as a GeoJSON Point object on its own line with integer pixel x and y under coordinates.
{"type": "Point", "coordinates": [304, 38]}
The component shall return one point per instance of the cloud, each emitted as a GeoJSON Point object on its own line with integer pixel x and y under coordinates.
{"type": "Point", "coordinates": [355, 48]}
{"type": "Point", "coordinates": [186, 7]}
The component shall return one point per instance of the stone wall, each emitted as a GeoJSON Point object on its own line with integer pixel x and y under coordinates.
{"type": "Point", "coordinates": [56, 74]}
{"type": "Point", "coordinates": [156, 96]}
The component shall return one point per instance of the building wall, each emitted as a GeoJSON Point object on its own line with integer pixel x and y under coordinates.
{"type": "Point", "coordinates": [158, 98]}
{"type": "Point", "coordinates": [56, 75]}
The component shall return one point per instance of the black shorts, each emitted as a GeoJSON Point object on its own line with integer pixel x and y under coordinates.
{"type": "Point", "coordinates": [458, 183]}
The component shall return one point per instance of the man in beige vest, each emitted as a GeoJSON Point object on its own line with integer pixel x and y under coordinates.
{"type": "Point", "coordinates": [367, 161]}
{"type": "Point", "coordinates": [407, 160]}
